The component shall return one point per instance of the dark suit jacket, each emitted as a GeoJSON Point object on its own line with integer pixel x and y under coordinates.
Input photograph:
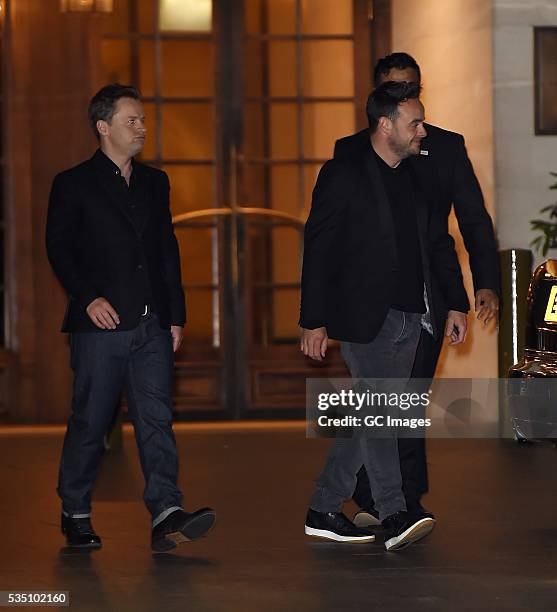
{"type": "Point", "coordinates": [97, 251]}
{"type": "Point", "coordinates": [350, 253]}
{"type": "Point", "coordinates": [447, 178]}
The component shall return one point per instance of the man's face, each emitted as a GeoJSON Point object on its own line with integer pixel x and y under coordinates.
{"type": "Point", "coordinates": [396, 74]}
{"type": "Point", "coordinates": [126, 131]}
{"type": "Point", "coordinates": [407, 130]}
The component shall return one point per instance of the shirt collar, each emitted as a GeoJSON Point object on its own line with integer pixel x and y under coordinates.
{"type": "Point", "coordinates": [385, 166]}
{"type": "Point", "coordinates": [106, 164]}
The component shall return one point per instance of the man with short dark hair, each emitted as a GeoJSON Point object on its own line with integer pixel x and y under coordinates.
{"type": "Point", "coordinates": [110, 241]}
{"type": "Point", "coordinates": [447, 177]}
{"type": "Point", "coordinates": [376, 269]}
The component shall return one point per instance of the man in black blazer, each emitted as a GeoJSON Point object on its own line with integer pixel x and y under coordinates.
{"type": "Point", "coordinates": [110, 241]}
{"type": "Point", "coordinates": [448, 179]}
{"type": "Point", "coordinates": [378, 266]}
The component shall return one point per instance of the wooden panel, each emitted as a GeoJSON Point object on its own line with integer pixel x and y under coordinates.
{"type": "Point", "coordinates": [326, 68]}
{"type": "Point", "coordinates": [280, 385]}
{"type": "Point", "coordinates": [7, 386]}
{"type": "Point", "coordinates": [381, 44]}
{"type": "Point", "coordinates": [545, 79]}
{"type": "Point", "coordinates": [363, 66]}
{"type": "Point", "coordinates": [46, 109]}
{"type": "Point", "coordinates": [323, 123]}
{"type": "Point", "coordinates": [326, 17]}
{"type": "Point", "coordinates": [197, 390]}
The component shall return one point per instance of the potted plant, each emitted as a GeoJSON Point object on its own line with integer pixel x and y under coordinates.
{"type": "Point", "coordinates": [547, 238]}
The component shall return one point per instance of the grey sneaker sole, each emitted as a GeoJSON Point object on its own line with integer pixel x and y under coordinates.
{"type": "Point", "coordinates": [331, 535]}
{"type": "Point", "coordinates": [365, 519]}
{"type": "Point", "coordinates": [414, 533]}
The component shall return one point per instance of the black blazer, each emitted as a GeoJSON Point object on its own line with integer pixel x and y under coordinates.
{"type": "Point", "coordinates": [96, 250]}
{"type": "Point", "coordinates": [447, 177]}
{"type": "Point", "coordinates": [350, 253]}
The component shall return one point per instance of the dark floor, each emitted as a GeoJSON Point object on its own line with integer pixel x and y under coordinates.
{"type": "Point", "coordinates": [494, 547]}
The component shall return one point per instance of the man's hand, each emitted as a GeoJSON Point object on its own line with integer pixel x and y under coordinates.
{"type": "Point", "coordinates": [102, 314]}
{"type": "Point", "coordinates": [314, 343]}
{"type": "Point", "coordinates": [487, 305]}
{"type": "Point", "coordinates": [456, 327]}
{"type": "Point", "coordinates": [177, 334]}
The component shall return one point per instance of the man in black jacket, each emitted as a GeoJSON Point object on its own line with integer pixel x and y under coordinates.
{"type": "Point", "coordinates": [448, 179]}
{"type": "Point", "coordinates": [377, 267]}
{"type": "Point", "coordinates": [110, 241]}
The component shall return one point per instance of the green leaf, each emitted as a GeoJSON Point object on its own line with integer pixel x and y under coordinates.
{"type": "Point", "coordinates": [545, 228]}
{"type": "Point", "coordinates": [542, 225]}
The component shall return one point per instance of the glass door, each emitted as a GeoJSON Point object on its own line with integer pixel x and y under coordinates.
{"type": "Point", "coordinates": [244, 104]}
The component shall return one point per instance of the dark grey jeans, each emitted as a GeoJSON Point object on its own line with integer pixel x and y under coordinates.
{"type": "Point", "coordinates": [142, 360]}
{"type": "Point", "coordinates": [390, 355]}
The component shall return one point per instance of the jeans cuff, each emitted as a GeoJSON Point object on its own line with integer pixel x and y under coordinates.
{"type": "Point", "coordinates": [385, 512]}
{"type": "Point", "coordinates": [323, 501]}
{"type": "Point", "coordinates": [160, 517]}
{"type": "Point", "coordinates": [76, 515]}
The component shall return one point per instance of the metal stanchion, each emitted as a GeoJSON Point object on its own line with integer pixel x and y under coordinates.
{"type": "Point", "coordinates": [516, 270]}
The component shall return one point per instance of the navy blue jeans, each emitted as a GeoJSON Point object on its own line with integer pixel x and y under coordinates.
{"type": "Point", "coordinates": [103, 363]}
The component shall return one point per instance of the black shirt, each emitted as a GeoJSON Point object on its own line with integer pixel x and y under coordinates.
{"type": "Point", "coordinates": [136, 203]}
{"type": "Point", "coordinates": [409, 285]}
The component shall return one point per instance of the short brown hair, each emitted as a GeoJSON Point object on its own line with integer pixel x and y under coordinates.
{"type": "Point", "coordinates": [103, 104]}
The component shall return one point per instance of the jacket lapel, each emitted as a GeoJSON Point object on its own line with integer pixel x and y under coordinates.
{"type": "Point", "coordinates": [143, 187]}
{"type": "Point", "coordinates": [383, 206]}
{"type": "Point", "coordinates": [426, 175]}
{"type": "Point", "coordinates": [422, 220]}
{"type": "Point", "coordinates": [111, 194]}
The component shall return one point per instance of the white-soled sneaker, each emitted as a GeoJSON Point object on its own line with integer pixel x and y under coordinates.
{"type": "Point", "coordinates": [335, 526]}
{"type": "Point", "coordinates": [366, 518]}
{"type": "Point", "coordinates": [402, 529]}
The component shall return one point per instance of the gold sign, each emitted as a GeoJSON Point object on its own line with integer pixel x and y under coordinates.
{"type": "Point", "coordinates": [551, 310]}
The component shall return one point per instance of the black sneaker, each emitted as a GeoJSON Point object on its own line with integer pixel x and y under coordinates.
{"type": "Point", "coordinates": [180, 526]}
{"type": "Point", "coordinates": [335, 526]}
{"type": "Point", "coordinates": [403, 528]}
{"type": "Point", "coordinates": [368, 517]}
{"type": "Point", "coordinates": [417, 509]}
{"type": "Point", "coordinates": [79, 532]}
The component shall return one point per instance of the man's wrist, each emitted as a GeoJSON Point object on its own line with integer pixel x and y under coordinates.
{"type": "Point", "coordinates": [311, 324]}
{"type": "Point", "coordinates": [494, 290]}
{"type": "Point", "coordinates": [486, 289]}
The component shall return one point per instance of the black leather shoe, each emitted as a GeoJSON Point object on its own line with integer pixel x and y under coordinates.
{"type": "Point", "coordinates": [403, 528]}
{"type": "Point", "coordinates": [335, 526]}
{"type": "Point", "coordinates": [79, 532]}
{"type": "Point", "coordinates": [180, 526]}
